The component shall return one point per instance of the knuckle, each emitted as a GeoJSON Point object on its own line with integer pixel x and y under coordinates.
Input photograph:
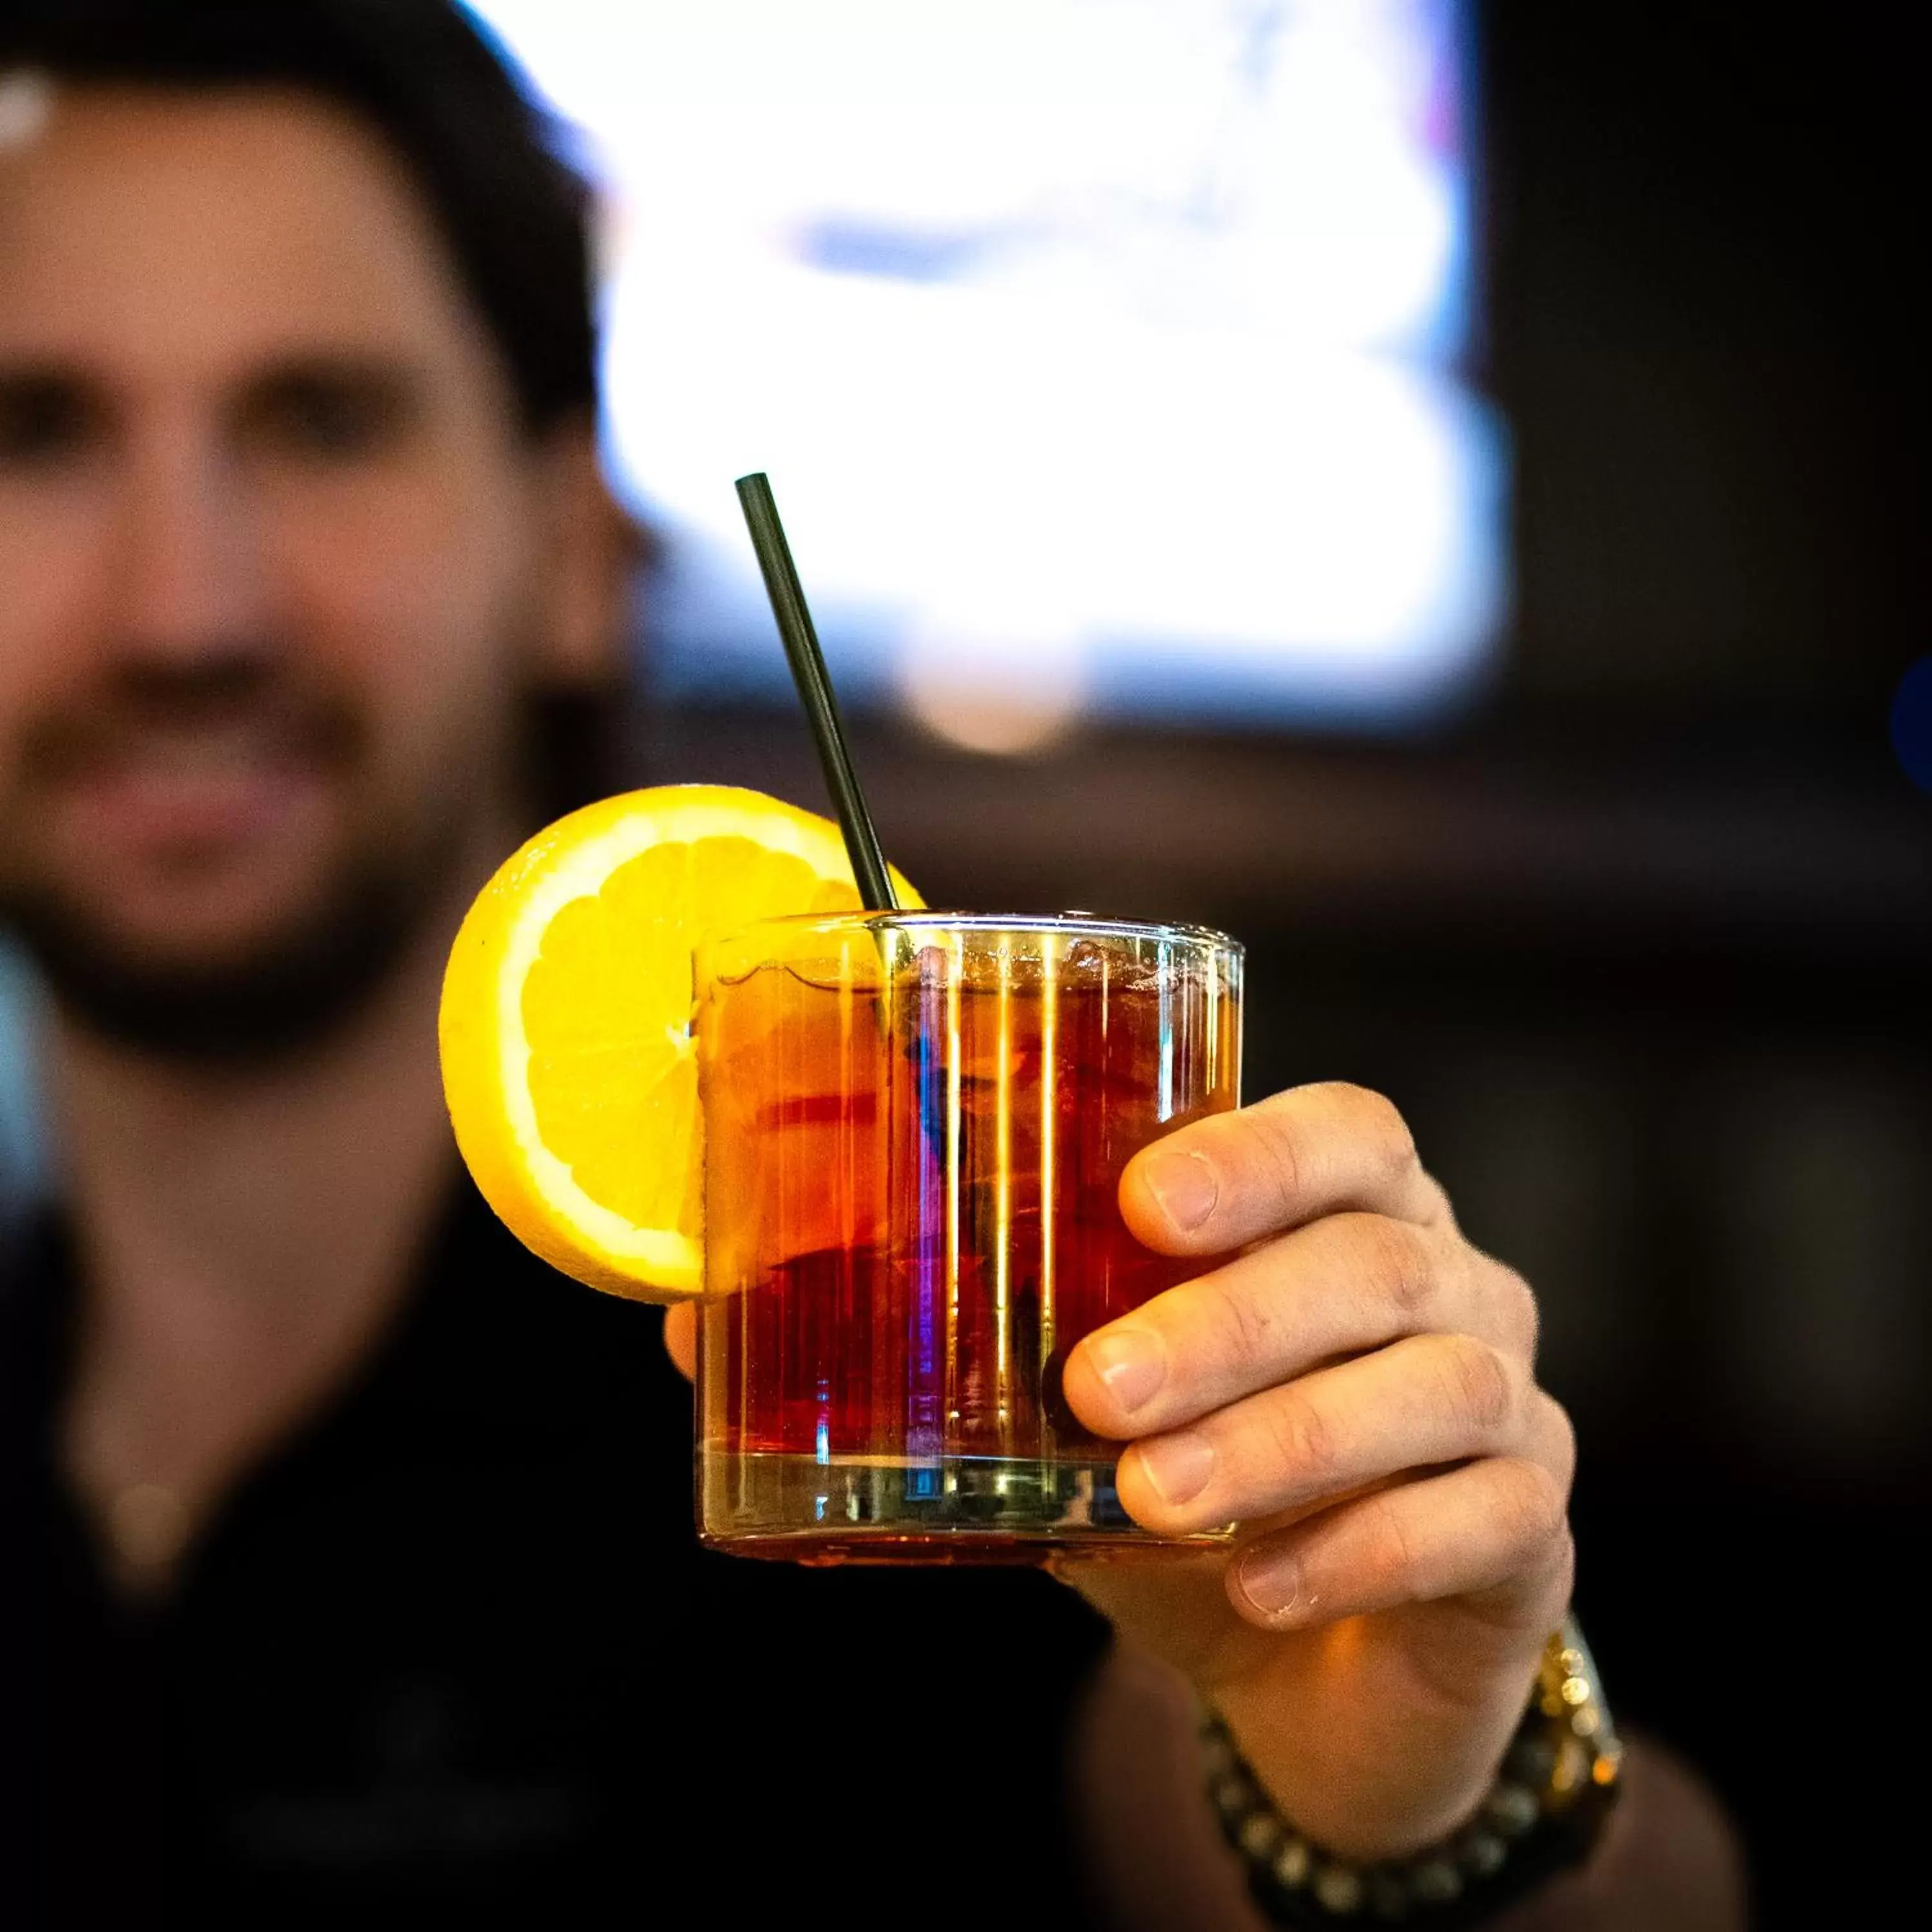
{"type": "Point", "coordinates": [1240, 1324]}
{"type": "Point", "coordinates": [1478, 1383]}
{"type": "Point", "coordinates": [1379, 1120]}
{"type": "Point", "coordinates": [1532, 1508]}
{"type": "Point", "coordinates": [1388, 1555]}
{"type": "Point", "coordinates": [1396, 1261]}
{"type": "Point", "coordinates": [1278, 1145]}
{"type": "Point", "coordinates": [1563, 1564]}
{"type": "Point", "coordinates": [1563, 1438]}
{"type": "Point", "coordinates": [1304, 1440]}
{"type": "Point", "coordinates": [1522, 1320]}
{"type": "Point", "coordinates": [1441, 1212]}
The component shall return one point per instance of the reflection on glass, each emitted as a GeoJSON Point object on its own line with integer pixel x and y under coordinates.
{"type": "Point", "coordinates": [916, 1126]}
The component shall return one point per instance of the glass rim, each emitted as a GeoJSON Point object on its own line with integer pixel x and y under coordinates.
{"type": "Point", "coordinates": [1077, 925]}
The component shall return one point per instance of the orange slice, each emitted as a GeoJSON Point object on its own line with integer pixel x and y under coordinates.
{"type": "Point", "coordinates": [566, 1029]}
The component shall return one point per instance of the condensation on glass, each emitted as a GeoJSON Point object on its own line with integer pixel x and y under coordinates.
{"type": "Point", "coordinates": [916, 1125]}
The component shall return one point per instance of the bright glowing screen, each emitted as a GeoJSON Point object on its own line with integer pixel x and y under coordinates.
{"type": "Point", "coordinates": [1103, 353]}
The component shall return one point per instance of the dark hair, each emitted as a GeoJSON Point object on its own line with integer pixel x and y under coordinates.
{"type": "Point", "coordinates": [423, 75]}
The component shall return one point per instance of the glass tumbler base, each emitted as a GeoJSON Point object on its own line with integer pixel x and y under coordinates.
{"type": "Point", "coordinates": [977, 1509]}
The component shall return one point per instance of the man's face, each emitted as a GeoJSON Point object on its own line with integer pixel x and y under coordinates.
{"type": "Point", "coordinates": [273, 548]}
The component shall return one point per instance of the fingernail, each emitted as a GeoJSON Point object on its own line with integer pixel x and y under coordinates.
{"type": "Point", "coordinates": [1186, 1187]}
{"type": "Point", "coordinates": [1177, 1467]}
{"type": "Point", "coordinates": [1270, 1582]}
{"type": "Point", "coordinates": [1131, 1363]}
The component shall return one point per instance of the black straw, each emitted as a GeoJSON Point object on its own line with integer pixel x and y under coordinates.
{"type": "Point", "coordinates": [815, 687]}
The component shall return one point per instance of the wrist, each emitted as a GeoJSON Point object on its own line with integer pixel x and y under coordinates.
{"type": "Point", "coordinates": [1376, 1753]}
{"type": "Point", "coordinates": [1542, 1810]}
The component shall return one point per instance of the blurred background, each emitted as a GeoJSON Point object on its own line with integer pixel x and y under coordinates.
{"type": "Point", "coordinates": [1435, 488]}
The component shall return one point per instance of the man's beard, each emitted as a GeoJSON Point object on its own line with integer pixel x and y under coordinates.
{"type": "Point", "coordinates": [287, 993]}
{"type": "Point", "coordinates": [293, 987]}
{"type": "Point", "coordinates": [295, 983]}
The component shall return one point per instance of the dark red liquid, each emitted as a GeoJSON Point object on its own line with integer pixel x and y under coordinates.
{"type": "Point", "coordinates": [912, 1223]}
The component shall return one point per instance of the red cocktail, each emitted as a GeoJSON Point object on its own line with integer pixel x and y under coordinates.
{"type": "Point", "coordinates": [916, 1126]}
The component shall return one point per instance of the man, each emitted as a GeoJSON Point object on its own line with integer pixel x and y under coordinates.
{"type": "Point", "coordinates": [360, 1563]}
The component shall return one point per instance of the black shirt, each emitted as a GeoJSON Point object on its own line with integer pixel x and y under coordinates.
{"type": "Point", "coordinates": [453, 1652]}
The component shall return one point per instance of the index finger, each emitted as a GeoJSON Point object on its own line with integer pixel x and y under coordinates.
{"type": "Point", "coordinates": [1215, 1185]}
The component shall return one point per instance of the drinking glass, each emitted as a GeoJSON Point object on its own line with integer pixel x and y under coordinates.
{"type": "Point", "coordinates": [915, 1124]}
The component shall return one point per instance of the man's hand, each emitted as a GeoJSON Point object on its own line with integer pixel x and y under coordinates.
{"type": "Point", "coordinates": [1355, 1388]}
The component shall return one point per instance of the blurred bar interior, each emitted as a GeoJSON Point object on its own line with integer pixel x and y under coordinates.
{"type": "Point", "coordinates": [1432, 488]}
